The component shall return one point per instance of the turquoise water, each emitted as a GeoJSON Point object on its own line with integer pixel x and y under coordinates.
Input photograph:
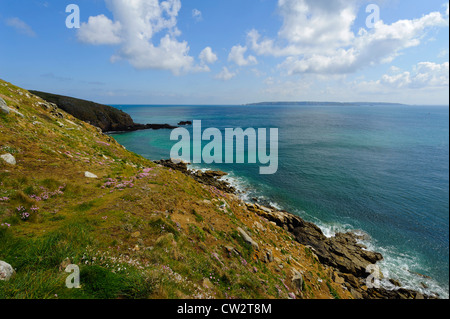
{"type": "Point", "coordinates": [383, 170]}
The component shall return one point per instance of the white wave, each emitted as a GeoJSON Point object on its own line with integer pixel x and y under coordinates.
{"type": "Point", "coordinates": [395, 265]}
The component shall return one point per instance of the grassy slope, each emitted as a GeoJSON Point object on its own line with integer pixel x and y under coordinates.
{"type": "Point", "coordinates": [138, 231]}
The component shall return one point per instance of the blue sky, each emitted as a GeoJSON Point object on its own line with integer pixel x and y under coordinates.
{"type": "Point", "coordinates": [229, 51]}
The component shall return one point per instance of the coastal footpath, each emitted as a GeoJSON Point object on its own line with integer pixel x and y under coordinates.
{"type": "Point", "coordinates": [70, 194]}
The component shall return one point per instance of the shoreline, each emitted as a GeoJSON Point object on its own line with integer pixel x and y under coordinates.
{"type": "Point", "coordinates": [347, 252]}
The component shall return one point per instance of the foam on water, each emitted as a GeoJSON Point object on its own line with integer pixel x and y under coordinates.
{"type": "Point", "coordinates": [395, 265]}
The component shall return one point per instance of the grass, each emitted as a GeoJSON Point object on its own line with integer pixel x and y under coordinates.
{"type": "Point", "coordinates": [156, 239]}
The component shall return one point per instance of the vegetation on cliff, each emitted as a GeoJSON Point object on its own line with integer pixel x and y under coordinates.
{"type": "Point", "coordinates": [69, 194]}
{"type": "Point", "coordinates": [106, 117]}
{"type": "Point", "coordinates": [138, 230]}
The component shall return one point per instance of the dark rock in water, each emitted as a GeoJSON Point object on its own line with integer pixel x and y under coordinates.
{"type": "Point", "coordinates": [395, 282]}
{"type": "Point", "coordinates": [107, 118]}
{"type": "Point", "coordinates": [211, 178]}
{"type": "Point", "coordinates": [182, 123]}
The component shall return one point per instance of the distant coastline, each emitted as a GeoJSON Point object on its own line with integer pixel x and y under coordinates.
{"type": "Point", "coordinates": [310, 103]}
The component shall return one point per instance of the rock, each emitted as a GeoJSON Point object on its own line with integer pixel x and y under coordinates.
{"type": "Point", "coordinates": [342, 251]}
{"type": "Point", "coordinates": [259, 226]}
{"type": "Point", "coordinates": [66, 262]}
{"type": "Point", "coordinates": [8, 158]}
{"type": "Point", "coordinates": [58, 115]}
{"type": "Point", "coordinates": [395, 282]}
{"type": "Point", "coordinates": [356, 294]}
{"type": "Point", "coordinates": [211, 178]}
{"type": "Point", "coordinates": [178, 161]}
{"type": "Point", "coordinates": [337, 279]}
{"type": "Point", "coordinates": [182, 123]}
{"type": "Point", "coordinates": [6, 271]}
{"type": "Point", "coordinates": [269, 255]}
{"type": "Point", "coordinates": [297, 280]}
{"type": "Point", "coordinates": [90, 175]}
{"type": "Point", "coordinates": [263, 208]}
{"type": "Point", "coordinates": [231, 250]}
{"type": "Point", "coordinates": [247, 238]}
{"type": "Point", "coordinates": [105, 117]}
{"type": "Point", "coordinates": [4, 107]}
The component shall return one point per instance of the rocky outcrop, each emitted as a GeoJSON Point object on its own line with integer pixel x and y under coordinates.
{"type": "Point", "coordinates": [343, 252]}
{"type": "Point", "coordinates": [247, 238]}
{"type": "Point", "coordinates": [5, 109]}
{"type": "Point", "coordinates": [211, 178]}
{"type": "Point", "coordinates": [107, 118]}
{"type": "Point", "coordinates": [183, 123]}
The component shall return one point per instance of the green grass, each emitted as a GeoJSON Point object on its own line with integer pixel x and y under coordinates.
{"type": "Point", "coordinates": [333, 291]}
{"type": "Point", "coordinates": [198, 217]}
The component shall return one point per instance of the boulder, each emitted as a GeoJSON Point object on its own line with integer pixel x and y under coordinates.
{"type": "Point", "coordinates": [248, 239]}
{"type": "Point", "coordinates": [8, 158]}
{"type": "Point", "coordinates": [6, 271]}
{"type": "Point", "coordinates": [297, 280]}
{"type": "Point", "coordinates": [268, 256]}
{"type": "Point", "coordinates": [4, 107]}
{"type": "Point", "coordinates": [90, 175]}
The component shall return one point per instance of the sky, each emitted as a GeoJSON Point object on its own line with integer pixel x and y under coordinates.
{"type": "Point", "coordinates": [228, 51]}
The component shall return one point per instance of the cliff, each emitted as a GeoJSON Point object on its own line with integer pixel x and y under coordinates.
{"type": "Point", "coordinates": [107, 118]}
{"type": "Point", "coordinates": [70, 194]}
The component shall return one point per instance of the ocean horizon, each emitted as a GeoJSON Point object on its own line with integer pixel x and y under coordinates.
{"type": "Point", "coordinates": [381, 170]}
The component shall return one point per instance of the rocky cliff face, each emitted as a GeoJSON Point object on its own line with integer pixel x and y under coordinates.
{"type": "Point", "coordinates": [107, 118]}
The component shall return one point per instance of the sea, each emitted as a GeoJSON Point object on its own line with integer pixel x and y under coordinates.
{"type": "Point", "coordinates": [381, 170]}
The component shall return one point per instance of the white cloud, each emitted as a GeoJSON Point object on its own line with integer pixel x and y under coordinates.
{"type": "Point", "coordinates": [225, 75]}
{"type": "Point", "coordinates": [134, 27]}
{"type": "Point", "coordinates": [315, 23]}
{"type": "Point", "coordinates": [316, 37]}
{"type": "Point", "coordinates": [100, 30]}
{"type": "Point", "coordinates": [20, 26]}
{"type": "Point", "coordinates": [207, 56]}
{"type": "Point", "coordinates": [237, 56]}
{"type": "Point", "coordinates": [423, 75]}
{"type": "Point", "coordinates": [423, 78]}
{"type": "Point", "coordinates": [197, 15]}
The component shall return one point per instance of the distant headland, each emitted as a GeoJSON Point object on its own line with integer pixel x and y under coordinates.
{"type": "Point", "coordinates": [105, 117]}
{"type": "Point", "coordinates": [311, 103]}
